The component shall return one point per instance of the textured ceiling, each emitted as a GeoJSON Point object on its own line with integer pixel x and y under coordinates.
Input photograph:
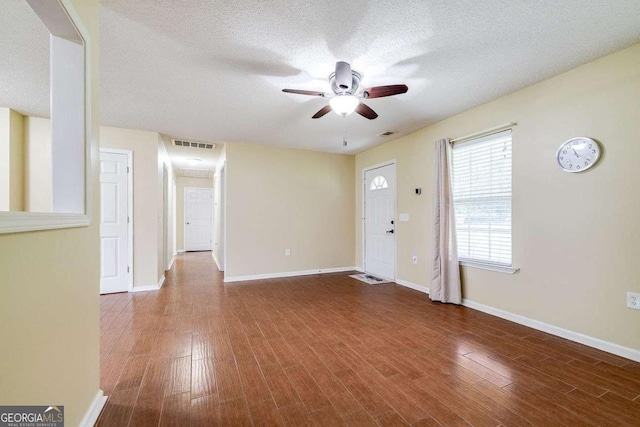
{"type": "Point", "coordinates": [213, 70]}
{"type": "Point", "coordinates": [24, 59]}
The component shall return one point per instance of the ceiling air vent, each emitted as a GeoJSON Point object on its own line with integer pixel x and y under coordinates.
{"type": "Point", "coordinates": [387, 133]}
{"type": "Point", "coordinates": [193, 144]}
{"type": "Point", "coordinates": [195, 173]}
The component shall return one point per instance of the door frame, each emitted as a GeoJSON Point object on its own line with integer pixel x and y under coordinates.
{"type": "Point", "coordinates": [395, 215]}
{"type": "Point", "coordinates": [174, 220]}
{"type": "Point", "coordinates": [223, 215]}
{"type": "Point", "coordinates": [165, 214]}
{"type": "Point", "coordinates": [184, 217]}
{"type": "Point", "coordinates": [129, 154]}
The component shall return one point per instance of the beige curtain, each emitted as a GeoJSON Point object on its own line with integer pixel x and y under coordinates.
{"type": "Point", "coordinates": [445, 283]}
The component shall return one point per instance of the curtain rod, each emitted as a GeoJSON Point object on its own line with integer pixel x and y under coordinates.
{"type": "Point", "coordinates": [484, 132]}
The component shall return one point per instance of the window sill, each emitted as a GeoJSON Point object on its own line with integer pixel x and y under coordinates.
{"type": "Point", "coordinates": [490, 267]}
{"type": "Point", "coordinates": [18, 222]}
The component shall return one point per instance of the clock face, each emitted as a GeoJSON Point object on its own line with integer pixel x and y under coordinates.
{"type": "Point", "coordinates": [578, 154]}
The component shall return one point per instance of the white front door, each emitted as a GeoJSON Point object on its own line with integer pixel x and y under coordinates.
{"type": "Point", "coordinates": [114, 197]}
{"type": "Point", "coordinates": [198, 207]}
{"type": "Point", "coordinates": [379, 221]}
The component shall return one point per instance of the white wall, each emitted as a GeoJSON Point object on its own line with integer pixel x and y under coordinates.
{"type": "Point", "coordinates": [68, 132]}
{"type": "Point", "coordinates": [575, 236]}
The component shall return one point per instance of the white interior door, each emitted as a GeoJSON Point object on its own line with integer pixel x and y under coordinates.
{"type": "Point", "coordinates": [379, 221]}
{"type": "Point", "coordinates": [198, 208]}
{"type": "Point", "coordinates": [114, 253]}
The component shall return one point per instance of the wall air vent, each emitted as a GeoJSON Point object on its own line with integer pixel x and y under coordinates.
{"type": "Point", "coordinates": [193, 144]}
{"type": "Point", "coordinates": [195, 173]}
{"type": "Point", "coordinates": [387, 133]}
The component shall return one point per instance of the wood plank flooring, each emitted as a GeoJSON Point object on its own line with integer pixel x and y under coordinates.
{"type": "Point", "coordinates": [330, 350]}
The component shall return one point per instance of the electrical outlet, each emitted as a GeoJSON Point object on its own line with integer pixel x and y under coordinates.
{"type": "Point", "coordinates": [633, 300]}
{"type": "Point", "coordinates": [287, 252]}
{"type": "Point", "coordinates": [415, 259]}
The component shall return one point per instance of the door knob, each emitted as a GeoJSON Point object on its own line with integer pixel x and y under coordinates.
{"type": "Point", "coordinates": [390, 231]}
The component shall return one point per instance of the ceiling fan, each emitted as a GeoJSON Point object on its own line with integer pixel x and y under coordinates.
{"type": "Point", "coordinates": [345, 98]}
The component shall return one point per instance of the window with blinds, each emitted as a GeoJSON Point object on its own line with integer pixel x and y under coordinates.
{"type": "Point", "coordinates": [481, 179]}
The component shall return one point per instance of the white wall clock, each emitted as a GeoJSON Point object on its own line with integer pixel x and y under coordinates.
{"type": "Point", "coordinates": [578, 154]}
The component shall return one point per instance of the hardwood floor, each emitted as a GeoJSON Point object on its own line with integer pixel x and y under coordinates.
{"type": "Point", "coordinates": [330, 350]}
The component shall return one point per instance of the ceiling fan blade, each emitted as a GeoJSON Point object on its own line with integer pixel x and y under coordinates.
{"type": "Point", "coordinates": [382, 91]}
{"type": "Point", "coordinates": [366, 111]}
{"type": "Point", "coordinates": [343, 76]}
{"type": "Point", "coordinates": [324, 110]}
{"type": "Point", "coordinates": [304, 92]}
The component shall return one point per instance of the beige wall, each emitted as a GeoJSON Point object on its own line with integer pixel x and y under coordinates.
{"type": "Point", "coordinates": [283, 198]}
{"type": "Point", "coordinates": [183, 182]}
{"type": "Point", "coordinates": [38, 162]}
{"type": "Point", "coordinates": [11, 161]}
{"type": "Point", "coordinates": [149, 158]}
{"type": "Point", "coordinates": [49, 305]}
{"type": "Point", "coordinates": [29, 161]}
{"type": "Point", "coordinates": [575, 236]}
{"type": "Point", "coordinates": [146, 204]}
{"type": "Point", "coordinates": [16, 136]}
{"type": "Point", "coordinates": [5, 159]}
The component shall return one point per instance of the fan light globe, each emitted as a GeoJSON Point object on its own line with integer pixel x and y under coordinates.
{"type": "Point", "coordinates": [344, 104]}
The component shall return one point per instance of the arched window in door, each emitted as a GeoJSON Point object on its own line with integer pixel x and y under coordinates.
{"type": "Point", "coordinates": [378, 183]}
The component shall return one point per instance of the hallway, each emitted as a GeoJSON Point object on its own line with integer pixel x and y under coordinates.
{"type": "Point", "coordinates": [329, 350]}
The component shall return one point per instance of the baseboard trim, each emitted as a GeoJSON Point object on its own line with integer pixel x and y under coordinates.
{"type": "Point", "coordinates": [413, 286]}
{"type": "Point", "coordinates": [607, 346]}
{"type": "Point", "coordinates": [288, 274]}
{"type": "Point", "coordinates": [173, 258]}
{"type": "Point", "coordinates": [93, 412]}
{"type": "Point", "coordinates": [150, 287]}
{"type": "Point", "coordinates": [215, 259]}
{"type": "Point", "coordinates": [180, 251]}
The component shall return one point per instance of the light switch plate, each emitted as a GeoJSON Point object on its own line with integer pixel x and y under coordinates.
{"type": "Point", "coordinates": [633, 300]}
{"type": "Point", "coordinates": [404, 217]}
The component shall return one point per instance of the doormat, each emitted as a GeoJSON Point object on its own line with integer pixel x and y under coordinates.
{"type": "Point", "coordinates": [369, 279]}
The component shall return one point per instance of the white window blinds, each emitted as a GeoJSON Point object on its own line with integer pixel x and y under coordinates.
{"type": "Point", "coordinates": [481, 175]}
